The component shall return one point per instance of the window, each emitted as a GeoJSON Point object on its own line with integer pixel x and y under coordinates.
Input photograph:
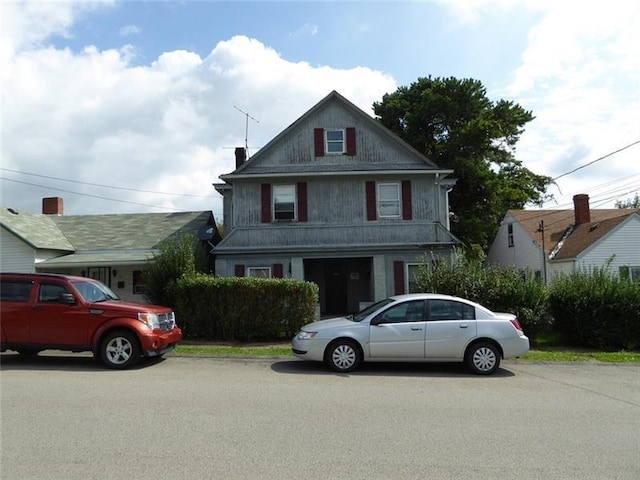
{"type": "Point", "coordinates": [510, 235]}
{"type": "Point", "coordinates": [450, 310]}
{"type": "Point", "coordinates": [334, 141]}
{"type": "Point", "coordinates": [389, 200]}
{"type": "Point", "coordinates": [284, 202]}
{"type": "Point", "coordinates": [15, 290]}
{"type": "Point", "coordinates": [405, 312]}
{"type": "Point", "coordinates": [413, 272]}
{"type": "Point", "coordinates": [52, 292]}
{"type": "Point", "coordinates": [138, 282]}
{"type": "Point", "coordinates": [629, 273]}
{"type": "Point", "coordinates": [259, 272]}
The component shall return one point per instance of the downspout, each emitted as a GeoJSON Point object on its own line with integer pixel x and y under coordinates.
{"type": "Point", "coordinates": [437, 206]}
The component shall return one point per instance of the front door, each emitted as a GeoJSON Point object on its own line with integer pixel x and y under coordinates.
{"type": "Point", "coordinates": [336, 289]}
{"type": "Point", "coordinates": [55, 322]}
{"type": "Point", "coordinates": [398, 332]}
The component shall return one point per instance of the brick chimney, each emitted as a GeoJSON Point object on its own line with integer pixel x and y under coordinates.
{"type": "Point", "coordinates": [52, 206]}
{"type": "Point", "coordinates": [241, 156]}
{"type": "Point", "coordinates": [581, 207]}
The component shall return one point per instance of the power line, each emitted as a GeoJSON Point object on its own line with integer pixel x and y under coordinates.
{"type": "Point", "coordinates": [596, 160]}
{"type": "Point", "coordinates": [97, 184]}
{"type": "Point", "coordinates": [95, 196]}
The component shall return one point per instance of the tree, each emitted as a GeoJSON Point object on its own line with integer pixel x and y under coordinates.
{"type": "Point", "coordinates": [179, 256]}
{"type": "Point", "coordinates": [456, 126]}
{"type": "Point", "coordinates": [629, 203]}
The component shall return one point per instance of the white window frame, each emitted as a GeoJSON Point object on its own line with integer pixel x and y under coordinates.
{"type": "Point", "coordinates": [510, 242]}
{"type": "Point", "coordinates": [390, 202]}
{"type": "Point", "coordinates": [333, 142]}
{"type": "Point", "coordinates": [634, 273]}
{"type": "Point", "coordinates": [259, 272]}
{"type": "Point", "coordinates": [274, 201]}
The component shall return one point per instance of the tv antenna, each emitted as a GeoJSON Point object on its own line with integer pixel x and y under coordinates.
{"type": "Point", "coordinates": [246, 128]}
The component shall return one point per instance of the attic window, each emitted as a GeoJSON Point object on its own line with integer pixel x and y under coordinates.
{"type": "Point", "coordinates": [334, 141]}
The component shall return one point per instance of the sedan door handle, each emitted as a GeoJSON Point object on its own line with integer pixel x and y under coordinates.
{"type": "Point", "coordinates": [416, 329]}
{"type": "Point", "coordinates": [464, 325]}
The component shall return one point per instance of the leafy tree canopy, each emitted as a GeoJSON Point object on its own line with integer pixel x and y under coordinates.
{"type": "Point", "coordinates": [629, 203]}
{"type": "Point", "coordinates": [456, 126]}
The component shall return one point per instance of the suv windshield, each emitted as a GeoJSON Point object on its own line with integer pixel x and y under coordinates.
{"type": "Point", "coordinates": [95, 292]}
{"type": "Point", "coordinates": [364, 313]}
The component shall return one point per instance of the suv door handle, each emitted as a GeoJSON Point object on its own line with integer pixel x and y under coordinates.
{"type": "Point", "coordinates": [464, 325]}
{"type": "Point", "coordinates": [416, 329]}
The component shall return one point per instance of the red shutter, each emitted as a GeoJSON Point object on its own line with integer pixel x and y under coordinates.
{"type": "Point", "coordinates": [278, 270]}
{"type": "Point", "coordinates": [371, 201]}
{"type": "Point", "coordinates": [239, 271]}
{"type": "Point", "coordinates": [398, 277]}
{"type": "Point", "coordinates": [351, 141]}
{"type": "Point", "coordinates": [266, 203]}
{"type": "Point", "coordinates": [407, 213]}
{"type": "Point", "coordinates": [302, 202]}
{"type": "Point", "coordinates": [318, 142]}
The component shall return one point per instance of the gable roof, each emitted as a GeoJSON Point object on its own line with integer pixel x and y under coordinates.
{"type": "Point", "coordinates": [101, 238]}
{"type": "Point", "coordinates": [562, 238]}
{"type": "Point", "coordinates": [252, 166]}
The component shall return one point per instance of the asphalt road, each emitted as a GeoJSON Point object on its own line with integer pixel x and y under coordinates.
{"type": "Point", "coordinates": [65, 417]}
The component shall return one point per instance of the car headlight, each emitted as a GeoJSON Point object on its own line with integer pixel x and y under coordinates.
{"type": "Point", "coordinates": [150, 319]}
{"type": "Point", "coordinates": [302, 335]}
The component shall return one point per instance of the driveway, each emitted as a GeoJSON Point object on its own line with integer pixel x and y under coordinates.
{"type": "Point", "coordinates": [65, 417]}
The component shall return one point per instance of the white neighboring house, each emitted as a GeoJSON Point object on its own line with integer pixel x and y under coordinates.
{"type": "Point", "coordinates": [550, 242]}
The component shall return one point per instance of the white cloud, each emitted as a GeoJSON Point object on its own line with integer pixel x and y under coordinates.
{"type": "Point", "coordinates": [579, 76]}
{"type": "Point", "coordinates": [129, 30]}
{"type": "Point", "coordinates": [170, 126]}
{"type": "Point", "coordinates": [308, 29]}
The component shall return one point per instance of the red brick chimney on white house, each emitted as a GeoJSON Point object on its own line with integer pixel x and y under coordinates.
{"type": "Point", "coordinates": [52, 206]}
{"type": "Point", "coordinates": [581, 208]}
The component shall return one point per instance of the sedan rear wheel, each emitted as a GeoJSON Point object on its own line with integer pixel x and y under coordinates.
{"type": "Point", "coordinates": [483, 358]}
{"type": "Point", "coordinates": [120, 349]}
{"type": "Point", "coordinates": [343, 356]}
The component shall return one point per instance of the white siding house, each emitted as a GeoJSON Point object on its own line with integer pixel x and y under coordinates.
{"type": "Point", "coordinates": [555, 242]}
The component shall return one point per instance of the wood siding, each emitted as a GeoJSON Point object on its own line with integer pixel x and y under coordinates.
{"type": "Point", "coordinates": [17, 256]}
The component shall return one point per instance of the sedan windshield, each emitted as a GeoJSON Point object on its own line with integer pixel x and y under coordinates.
{"type": "Point", "coordinates": [95, 292]}
{"type": "Point", "coordinates": [364, 313]}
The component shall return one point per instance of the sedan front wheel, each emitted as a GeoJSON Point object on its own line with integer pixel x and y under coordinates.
{"type": "Point", "coordinates": [343, 356]}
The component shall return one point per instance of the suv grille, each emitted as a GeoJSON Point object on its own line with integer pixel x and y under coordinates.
{"type": "Point", "coordinates": [166, 321]}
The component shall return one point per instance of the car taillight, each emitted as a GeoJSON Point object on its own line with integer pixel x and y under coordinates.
{"type": "Point", "coordinates": [516, 324]}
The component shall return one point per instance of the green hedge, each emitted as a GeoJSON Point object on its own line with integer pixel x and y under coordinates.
{"type": "Point", "coordinates": [242, 309]}
{"type": "Point", "coordinates": [597, 309]}
{"type": "Point", "coordinates": [499, 289]}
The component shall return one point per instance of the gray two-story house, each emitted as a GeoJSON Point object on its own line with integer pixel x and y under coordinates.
{"type": "Point", "coordinates": [339, 200]}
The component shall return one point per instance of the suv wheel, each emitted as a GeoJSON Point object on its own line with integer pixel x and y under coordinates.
{"type": "Point", "coordinates": [120, 349]}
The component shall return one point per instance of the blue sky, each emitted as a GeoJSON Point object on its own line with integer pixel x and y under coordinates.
{"type": "Point", "coordinates": [133, 106]}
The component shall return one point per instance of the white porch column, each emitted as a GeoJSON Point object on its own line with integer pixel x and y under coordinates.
{"type": "Point", "coordinates": [297, 268]}
{"type": "Point", "coordinates": [379, 278]}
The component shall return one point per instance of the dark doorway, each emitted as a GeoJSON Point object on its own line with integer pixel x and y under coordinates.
{"type": "Point", "coordinates": [344, 283]}
{"type": "Point", "coordinates": [336, 289]}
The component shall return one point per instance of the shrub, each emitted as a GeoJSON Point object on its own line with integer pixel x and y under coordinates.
{"type": "Point", "coordinates": [499, 289]}
{"type": "Point", "coordinates": [596, 309]}
{"type": "Point", "coordinates": [242, 309]}
{"type": "Point", "coordinates": [179, 256]}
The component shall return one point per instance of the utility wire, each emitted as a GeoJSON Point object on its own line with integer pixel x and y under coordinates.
{"type": "Point", "coordinates": [99, 185]}
{"type": "Point", "coordinates": [91, 195]}
{"type": "Point", "coordinates": [596, 160]}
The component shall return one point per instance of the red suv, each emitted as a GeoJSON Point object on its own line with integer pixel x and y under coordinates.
{"type": "Point", "coordinates": [62, 312]}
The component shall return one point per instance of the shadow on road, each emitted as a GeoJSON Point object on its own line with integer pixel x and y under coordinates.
{"type": "Point", "coordinates": [302, 367]}
{"type": "Point", "coordinates": [63, 362]}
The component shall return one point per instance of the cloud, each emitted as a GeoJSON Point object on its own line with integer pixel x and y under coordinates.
{"type": "Point", "coordinates": [96, 118]}
{"type": "Point", "coordinates": [306, 30]}
{"type": "Point", "coordinates": [129, 30]}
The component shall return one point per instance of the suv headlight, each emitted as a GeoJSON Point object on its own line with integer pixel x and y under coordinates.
{"type": "Point", "coordinates": [150, 319]}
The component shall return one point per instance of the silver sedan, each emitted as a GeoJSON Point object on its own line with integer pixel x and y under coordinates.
{"type": "Point", "coordinates": [421, 327]}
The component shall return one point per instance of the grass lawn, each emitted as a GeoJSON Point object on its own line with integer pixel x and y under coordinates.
{"type": "Point", "coordinates": [544, 354]}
